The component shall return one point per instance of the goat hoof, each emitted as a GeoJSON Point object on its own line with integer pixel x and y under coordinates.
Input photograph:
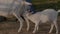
{"type": "Point", "coordinates": [33, 32]}
{"type": "Point", "coordinates": [18, 31]}
{"type": "Point", "coordinates": [49, 32]}
{"type": "Point", "coordinates": [27, 29]}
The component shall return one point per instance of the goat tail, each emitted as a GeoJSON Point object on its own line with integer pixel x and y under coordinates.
{"type": "Point", "coordinates": [58, 11]}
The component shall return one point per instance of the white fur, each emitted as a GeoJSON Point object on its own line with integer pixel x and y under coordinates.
{"type": "Point", "coordinates": [43, 17]}
{"type": "Point", "coordinates": [27, 3]}
{"type": "Point", "coordinates": [17, 12]}
{"type": "Point", "coordinates": [58, 11]}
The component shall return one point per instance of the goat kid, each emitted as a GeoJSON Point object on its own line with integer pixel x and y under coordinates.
{"type": "Point", "coordinates": [43, 17]}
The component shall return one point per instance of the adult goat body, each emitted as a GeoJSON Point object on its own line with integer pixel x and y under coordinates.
{"type": "Point", "coordinates": [13, 8]}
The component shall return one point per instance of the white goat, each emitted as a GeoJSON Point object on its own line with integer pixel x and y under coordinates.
{"type": "Point", "coordinates": [42, 17]}
{"type": "Point", "coordinates": [17, 9]}
{"type": "Point", "coordinates": [13, 10]}
{"type": "Point", "coordinates": [25, 4]}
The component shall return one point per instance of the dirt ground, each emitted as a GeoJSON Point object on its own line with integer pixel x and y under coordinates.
{"type": "Point", "coordinates": [11, 27]}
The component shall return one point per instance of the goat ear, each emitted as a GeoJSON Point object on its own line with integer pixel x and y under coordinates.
{"type": "Point", "coordinates": [27, 3]}
{"type": "Point", "coordinates": [58, 11]}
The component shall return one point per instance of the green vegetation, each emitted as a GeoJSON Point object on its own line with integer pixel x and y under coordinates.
{"type": "Point", "coordinates": [45, 4]}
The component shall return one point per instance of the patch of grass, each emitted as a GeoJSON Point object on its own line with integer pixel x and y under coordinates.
{"type": "Point", "coordinates": [46, 6]}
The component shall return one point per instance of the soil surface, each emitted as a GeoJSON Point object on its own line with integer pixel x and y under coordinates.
{"type": "Point", "coordinates": [11, 27]}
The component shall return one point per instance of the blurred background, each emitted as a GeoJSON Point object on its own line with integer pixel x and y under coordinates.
{"type": "Point", "coordinates": [44, 4]}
